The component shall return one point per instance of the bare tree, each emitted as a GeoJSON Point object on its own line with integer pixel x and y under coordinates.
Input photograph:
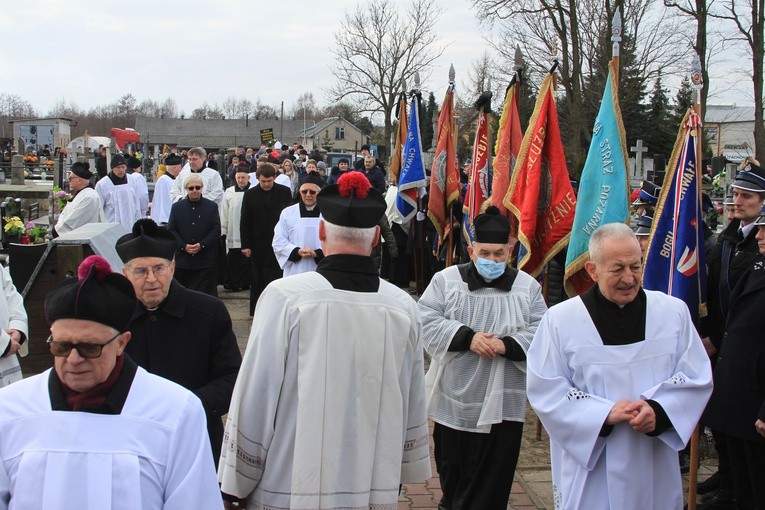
{"type": "Point", "coordinates": [13, 106]}
{"type": "Point", "coordinates": [574, 32]}
{"type": "Point", "coordinates": [376, 46]}
{"type": "Point", "coordinates": [749, 19]}
{"type": "Point", "coordinates": [698, 10]}
{"type": "Point", "coordinates": [304, 107]}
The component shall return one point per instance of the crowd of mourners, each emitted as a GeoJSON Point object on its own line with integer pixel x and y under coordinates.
{"type": "Point", "coordinates": [329, 407]}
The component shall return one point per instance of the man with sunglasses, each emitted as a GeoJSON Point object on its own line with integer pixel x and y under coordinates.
{"type": "Point", "coordinates": [195, 223]}
{"type": "Point", "coordinates": [97, 431]}
{"type": "Point", "coordinates": [179, 334]}
{"type": "Point", "coordinates": [196, 165]}
{"type": "Point", "coordinates": [85, 206]}
{"type": "Point", "coordinates": [296, 237]}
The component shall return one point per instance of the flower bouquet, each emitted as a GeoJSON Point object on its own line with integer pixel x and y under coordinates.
{"type": "Point", "coordinates": [62, 196]}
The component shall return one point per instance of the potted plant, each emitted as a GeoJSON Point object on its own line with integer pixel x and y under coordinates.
{"type": "Point", "coordinates": [36, 233]}
{"type": "Point", "coordinates": [14, 228]}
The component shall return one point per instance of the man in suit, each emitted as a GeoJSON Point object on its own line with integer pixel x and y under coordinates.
{"type": "Point", "coordinates": [728, 263]}
{"type": "Point", "coordinates": [195, 223]}
{"type": "Point", "coordinates": [737, 406]}
{"type": "Point", "coordinates": [182, 335]}
{"type": "Point", "coordinates": [261, 207]}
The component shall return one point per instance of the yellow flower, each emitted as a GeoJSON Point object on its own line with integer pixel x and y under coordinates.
{"type": "Point", "coordinates": [14, 226]}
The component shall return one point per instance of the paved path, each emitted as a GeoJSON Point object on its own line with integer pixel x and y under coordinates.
{"type": "Point", "coordinates": [532, 488]}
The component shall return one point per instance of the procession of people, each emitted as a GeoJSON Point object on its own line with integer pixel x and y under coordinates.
{"type": "Point", "coordinates": [328, 406]}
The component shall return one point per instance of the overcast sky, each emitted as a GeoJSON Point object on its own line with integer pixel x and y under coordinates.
{"type": "Point", "coordinates": [91, 53]}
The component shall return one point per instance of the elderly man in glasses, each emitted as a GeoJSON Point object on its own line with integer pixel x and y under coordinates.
{"type": "Point", "coordinates": [179, 334]}
{"type": "Point", "coordinates": [195, 223]}
{"type": "Point", "coordinates": [296, 236]}
{"type": "Point", "coordinates": [97, 431]}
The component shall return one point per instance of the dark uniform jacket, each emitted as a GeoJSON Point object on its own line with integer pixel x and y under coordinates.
{"type": "Point", "coordinates": [189, 340]}
{"type": "Point", "coordinates": [191, 223]}
{"type": "Point", "coordinates": [729, 261]}
{"type": "Point", "coordinates": [260, 214]}
{"type": "Point", "coordinates": [738, 399]}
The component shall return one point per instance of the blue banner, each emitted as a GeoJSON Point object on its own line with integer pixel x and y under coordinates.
{"type": "Point", "coordinates": [675, 262]}
{"type": "Point", "coordinates": [604, 188]}
{"type": "Point", "coordinates": [412, 176]}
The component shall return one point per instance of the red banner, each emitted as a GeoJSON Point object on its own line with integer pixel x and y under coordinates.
{"type": "Point", "coordinates": [444, 176]}
{"type": "Point", "coordinates": [396, 159]}
{"type": "Point", "coordinates": [540, 193]}
{"type": "Point", "coordinates": [509, 137]}
{"type": "Point", "coordinates": [479, 179]}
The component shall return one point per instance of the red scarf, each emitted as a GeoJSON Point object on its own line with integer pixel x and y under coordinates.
{"type": "Point", "coordinates": [97, 394]}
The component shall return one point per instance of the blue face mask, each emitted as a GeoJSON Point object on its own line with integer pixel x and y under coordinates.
{"type": "Point", "coordinates": [489, 269]}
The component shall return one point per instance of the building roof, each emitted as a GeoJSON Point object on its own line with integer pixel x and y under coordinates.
{"type": "Point", "coordinates": [211, 133]}
{"type": "Point", "coordinates": [64, 119]}
{"type": "Point", "coordinates": [725, 114]}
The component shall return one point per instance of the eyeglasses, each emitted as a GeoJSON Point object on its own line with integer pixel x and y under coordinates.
{"type": "Point", "coordinates": [143, 272]}
{"type": "Point", "coordinates": [86, 350]}
{"type": "Point", "coordinates": [308, 192]}
{"type": "Point", "coordinates": [193, 188]}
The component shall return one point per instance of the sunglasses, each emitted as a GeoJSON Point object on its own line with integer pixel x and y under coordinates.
{"type": "Point", "coordinates": [194, 188]}
{"type": "Point", "coordinates": [308, 192]}
{"type": "Point", "coordinates": [86, 350]}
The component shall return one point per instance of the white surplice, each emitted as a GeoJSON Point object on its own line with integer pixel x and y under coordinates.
{"type": "Point", "coordinates": [292, 232]}
{"type": "Point", "coordinates": [86, 207]}
{"type": "Point", "coordinates": [573, 382]}
{"type": "Point", "coordinates": [230, 216]}
{"type": "Point", "coordinates": [138, 181]}
{"type": "Point", "coordinates": [212, 185]}
{"type": "Point", "coordinates": [13, 315]}
{"type": "Point", "coordinates": [121, 204]}
{"type": "Point", "coordinates": [465, 391]}
{"type": "Point", "coordinates": [154, 455]}
{"type": "Point", "coordinates": [326, 413]}
{"type": "Point", "coordinates": [161, 202]}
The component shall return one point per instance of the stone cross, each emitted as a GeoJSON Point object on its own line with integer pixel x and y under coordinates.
{"type": "Point", "coordinates": [639, 149]}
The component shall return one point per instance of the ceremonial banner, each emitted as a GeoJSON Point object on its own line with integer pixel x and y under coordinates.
{"type": "Point", "coordinates": [540, 195]}
{"type": "Point", "coordinates": [444, 176]}
{"type": "Point", "coordinates": [479, 179]}
{"type": "Point", "coordinates": [604, 186]}
{"type": "Point", "coordinates": [509, 137]}
{"type": "Point", "coordinates": [674, 261]}
{"type": "Point", "coordinates": [412, 176]}
{"type": "Point", "coordinates": [396, 159]}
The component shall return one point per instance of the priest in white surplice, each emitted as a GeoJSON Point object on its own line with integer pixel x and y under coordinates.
{"type": "Point", "coordinates": [238, 267]}
{"type": "Point", "coordinates": [213, 184]}
{"type": "Point", "coordinates": [85, 207]}
{"type": "Point", "coordinates": [138, 181]}
{"type": "Point", "coordinates": [296, 235]}
{"type": "Point", "coordinates": [121, 204]}
{"type": "Point", "coordinates": [96, 431]}
{"type": "Point", "coordinates": [619, 378]}
{"type": "Point", "coordinates": [478, 321]}
{"type": "Point", "coordinates": [161, 201]}
{"type": "Point", "coordinates": [328, 410]}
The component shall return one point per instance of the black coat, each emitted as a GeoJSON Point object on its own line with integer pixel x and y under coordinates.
{"type": "Point", "coordinates": [738, 399]}
{"type": "Point", "coordinates": [728, 262]}
{"type": "Point", "coordinates": [189, 340]}
{"type": "Point", "coordinates": [191, 223]}
{"type": "Point", "coordinates": [260, 214]}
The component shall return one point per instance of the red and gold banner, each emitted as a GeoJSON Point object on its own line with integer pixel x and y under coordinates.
{"type": "Point", "coordinates": [540, 193]}
{"type": "Point", "coordinates": [396, 157]}
{"type": "Point", "coordinates": [444, 176]}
